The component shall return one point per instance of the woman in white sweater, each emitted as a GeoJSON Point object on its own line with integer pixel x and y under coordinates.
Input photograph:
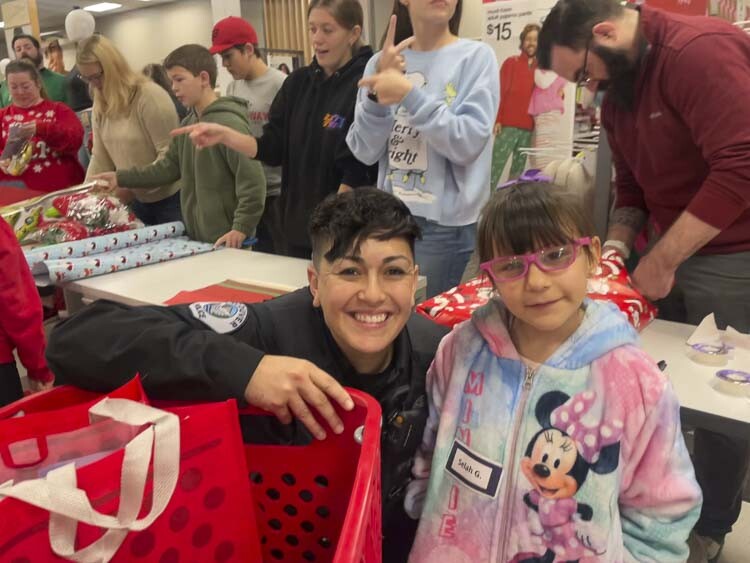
{"type": "Point", "coordinates": [132, 118]}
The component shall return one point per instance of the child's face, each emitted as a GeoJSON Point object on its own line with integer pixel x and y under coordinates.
{"type": "Point", "coordinates": [187, 87]}
{"type": "Point", "coordinates": [548, 302]}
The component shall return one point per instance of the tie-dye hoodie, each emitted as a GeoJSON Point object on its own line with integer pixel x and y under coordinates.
{"type": "Point", "coordinates": [580, 459]}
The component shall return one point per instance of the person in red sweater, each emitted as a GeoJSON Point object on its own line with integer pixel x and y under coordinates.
{"type": "Point", "coordinates": [514, 125]}
{"type": "Point", "coordinates": [676, 117]}
{"type": "Point", "coordinates": [57, 133]}
{"type": "Point", "coordinates": [20, 322]}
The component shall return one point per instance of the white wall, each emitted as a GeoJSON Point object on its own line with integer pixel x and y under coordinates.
{"type": "Point", "coordinates": [150, 34]}
{"type": "Point", "coordinates": [471, 20]}
{"type": "Point", "coordinates": [252, 11]}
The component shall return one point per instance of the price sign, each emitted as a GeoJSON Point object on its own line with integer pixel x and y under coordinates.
{"type": "Point", "coordinates": [500, 31]}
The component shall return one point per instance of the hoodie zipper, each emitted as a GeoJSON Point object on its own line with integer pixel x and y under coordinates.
{"type": "Point", "coordinates": [510, 471]}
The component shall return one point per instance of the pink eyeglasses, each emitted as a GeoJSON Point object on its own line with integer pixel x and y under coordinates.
{"type": "Point", "coordinates": [511, 268]}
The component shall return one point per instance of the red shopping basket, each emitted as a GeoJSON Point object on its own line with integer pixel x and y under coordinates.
{"type": "Point", "coordinates": [321, 502]}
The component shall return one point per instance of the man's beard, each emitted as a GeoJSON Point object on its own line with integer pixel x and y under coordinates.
{"type": "Point", "coordinates": [623, 74]}
{"type": "Point", "coordinates": [37, 62]}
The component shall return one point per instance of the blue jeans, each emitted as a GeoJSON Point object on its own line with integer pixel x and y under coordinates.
{"type": "Point", "coordinates": [443, 253]}
{"type": "Point", "coordinates": [163, 211]}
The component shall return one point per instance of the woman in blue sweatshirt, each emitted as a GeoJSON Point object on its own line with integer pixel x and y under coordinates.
{"type": "Point", "coordinates": [425, 113]}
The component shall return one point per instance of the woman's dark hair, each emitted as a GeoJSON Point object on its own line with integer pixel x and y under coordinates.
{"type": "Point", "coordinates": [20, 66]}
{"type": "Point", "coordinates": [342, 222]}
{"type": "Point", "coordinates": [158, 74]}
{"type": "Point", "coordinates": [404, 29]}
{"type": "Point", "coordinates": [570, 24]}
{"type": "Point", "coordinates": [531, 215]}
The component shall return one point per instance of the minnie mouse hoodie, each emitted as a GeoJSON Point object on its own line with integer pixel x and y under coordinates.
{"type": "Point", "coordinates": [578, 459]}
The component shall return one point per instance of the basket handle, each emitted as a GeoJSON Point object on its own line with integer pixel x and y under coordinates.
{"type": "Point", "coordinates": [68, 505]}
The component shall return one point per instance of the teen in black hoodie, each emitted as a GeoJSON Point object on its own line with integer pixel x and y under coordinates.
{"type": "Point", "coordinates": [309, 120]}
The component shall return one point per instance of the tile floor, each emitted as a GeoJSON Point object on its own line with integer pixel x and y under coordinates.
{"type": "Point", "coordinates": [737, 546]}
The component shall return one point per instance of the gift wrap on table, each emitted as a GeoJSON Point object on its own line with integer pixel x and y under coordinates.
{"type": "Point", "coordinates": [95, 256]}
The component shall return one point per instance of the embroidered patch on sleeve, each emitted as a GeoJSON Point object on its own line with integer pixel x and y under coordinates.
{"type": "Point", "coordinates": [220, 317]}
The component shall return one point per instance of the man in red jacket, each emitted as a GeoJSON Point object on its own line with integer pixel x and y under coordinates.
{"type": "Point", "coordinates": [514, 125]}
{"type": "Point", "coordinates": [20, 322]}
{"type": "Point", "coordinates": [676, 117]}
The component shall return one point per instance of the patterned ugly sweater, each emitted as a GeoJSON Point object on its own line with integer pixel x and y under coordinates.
{"type": "Point", "coordinates": [54, 162]}
{"type": "Point", "coordinates": [578, 459]}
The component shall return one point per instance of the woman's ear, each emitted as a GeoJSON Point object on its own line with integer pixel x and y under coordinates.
{"type": "Point", "coordinates": [356, 34]}
{"type": "Point", "coordinates": [312, 278]}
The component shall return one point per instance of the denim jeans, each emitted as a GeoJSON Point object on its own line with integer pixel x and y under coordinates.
{"type": "Point", "coordinates": [163, 211]}
{"type": "Point", "coordinates": [718, 284]}
{"type": "Point", "coordinates": [443, 253]}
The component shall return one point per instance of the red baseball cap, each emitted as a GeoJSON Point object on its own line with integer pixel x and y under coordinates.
{"type": "Point", "coordinates": [231, 31]}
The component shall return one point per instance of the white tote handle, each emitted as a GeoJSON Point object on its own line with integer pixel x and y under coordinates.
{"type": "Point", "coordinates": [68, 505]}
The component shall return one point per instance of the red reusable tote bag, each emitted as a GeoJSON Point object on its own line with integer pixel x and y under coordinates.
{"type": "Point", "coordinates": [68, 396]}
{"type": "Point", "coordinates": [177, 491]}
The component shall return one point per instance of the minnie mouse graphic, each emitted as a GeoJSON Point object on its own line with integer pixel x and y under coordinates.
{"type": "Point", "coordinates": [557, 462]}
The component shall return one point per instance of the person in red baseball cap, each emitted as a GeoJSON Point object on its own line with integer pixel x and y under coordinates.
{"type": "Point", "coordinates": [236, 41]}
{"type": "Point", "coordinates": [230, 32]}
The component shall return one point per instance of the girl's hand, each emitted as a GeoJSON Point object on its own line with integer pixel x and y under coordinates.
{"type": "Point", "coordinates": [203, 134]}
{"type": "Point", "coordinates": [391, 57]}
{"type": "Point", "coordinates": [390, 86]}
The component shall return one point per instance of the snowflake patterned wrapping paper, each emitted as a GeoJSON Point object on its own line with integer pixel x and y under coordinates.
{"type": "Point", "coordinates": [98, 245]}
{"type": "Point", "coordinates": [112, 253]}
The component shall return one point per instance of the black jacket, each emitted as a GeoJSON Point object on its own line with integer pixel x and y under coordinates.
{"type": "Point", "coordinates": [306, 135]}
{"type": "Point", "coordinates": [181, 358]}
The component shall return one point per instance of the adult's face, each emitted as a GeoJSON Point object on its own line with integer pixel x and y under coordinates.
{"type": "Point", "coordinates": [24, 89]}
{"type": "Point", "coordinates": [601, 69]}
{"type": "Point", "coordinates": [92, 73]}
{"type": "Point", "coordinates": [366, 299]}
{"type": "Point", "coordinates": [24, 48]}
{"type": "Point", "coordinates": [529, 44]}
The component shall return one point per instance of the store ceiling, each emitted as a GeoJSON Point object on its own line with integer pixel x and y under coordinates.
{"type": "Point", "coordinates": [52, 12]}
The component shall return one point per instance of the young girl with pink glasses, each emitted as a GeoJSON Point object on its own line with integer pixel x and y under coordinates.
{"type": "Point", "coordinates": [552, 436]}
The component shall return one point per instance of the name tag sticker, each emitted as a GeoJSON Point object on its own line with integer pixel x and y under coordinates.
{"type": "Point", "coordinates": [473, 470]}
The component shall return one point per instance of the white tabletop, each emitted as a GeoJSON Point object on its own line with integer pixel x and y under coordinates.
{"type": "Point", "coordinates": [157, 283]}
{"type": "Point", "coordinates": [702, 404]}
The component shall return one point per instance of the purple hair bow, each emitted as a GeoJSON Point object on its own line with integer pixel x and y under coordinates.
{"type": "Point", "coordinates": [532, 175]}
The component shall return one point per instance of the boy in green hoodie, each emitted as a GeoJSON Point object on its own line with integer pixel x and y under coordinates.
{"type": "Point", "coordinates": [223, 191]}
